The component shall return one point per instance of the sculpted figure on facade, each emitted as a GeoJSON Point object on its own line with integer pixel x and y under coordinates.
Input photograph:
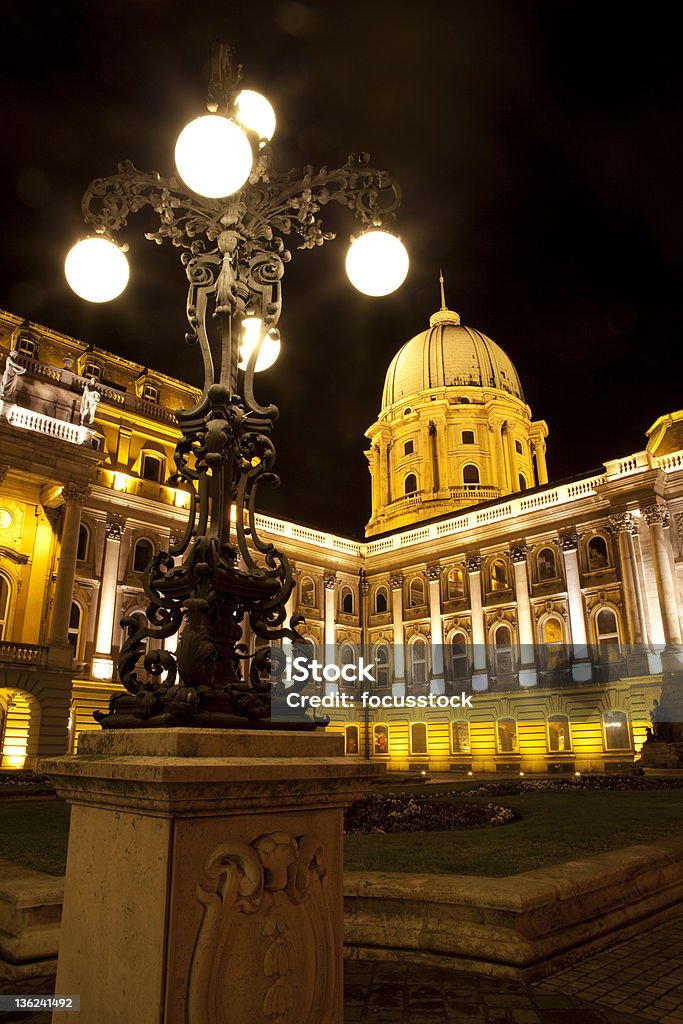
{"type": "Point", "coordinates": [89, 400]}
{"type": "Point", "coordinates": [10, 377]}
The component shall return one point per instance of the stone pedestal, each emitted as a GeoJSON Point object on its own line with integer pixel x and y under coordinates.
{"type": "Point", "coordinates": [204, 876]}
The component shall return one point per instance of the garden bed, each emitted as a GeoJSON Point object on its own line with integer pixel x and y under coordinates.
{"type": "Point", "coordinates": [405, 813]}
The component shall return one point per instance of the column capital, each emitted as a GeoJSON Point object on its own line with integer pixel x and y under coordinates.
{"type": "Point", "coordinates": [568, 541]}
{"type": "Point", "coordinates": [473, 563]}
{"type": "Point", "coordinates": [113, 529]}
{"type": "Point", "coordinates": [365, 586]}
{"type": "Point", "coordinates": [75, 494]}
{"type": "Point", "coordinates": [397, 581]}
{"type": "Point", "coordinates": [431, 427]}
{"type": "Point", "coordinates": [655, 514]}
{"type": "Point", "coordinates": [329, 580]}
{"type": "Point", "coordinates": [433, 572]}
{"type": "Point", "coordinates": [623, 522]}
{"type": "Point", "coordinates": [518, 552]}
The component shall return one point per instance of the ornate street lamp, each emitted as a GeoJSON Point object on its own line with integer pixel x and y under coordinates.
{"type": "Point", "coordinates": [231, 229]}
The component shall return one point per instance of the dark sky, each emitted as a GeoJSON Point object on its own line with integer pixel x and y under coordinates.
{"type": "Point", "coordinates": [538, 148]}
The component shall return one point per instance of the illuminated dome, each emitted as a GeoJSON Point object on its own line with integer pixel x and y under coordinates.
{"type": "Point", "coordinates": [448, 354]}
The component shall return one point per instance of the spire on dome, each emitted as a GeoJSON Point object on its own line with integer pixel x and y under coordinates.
{"type": "Point", "coordinates": [444, 315]}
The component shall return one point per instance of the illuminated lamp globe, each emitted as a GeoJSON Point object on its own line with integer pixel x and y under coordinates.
{"type": "Point", "coordinates": [255, 112]}
{"type": "Point", "coordinates": [377, 262]}
{"type": "Point", "coordinates": [96, 269]}
{"type": "Point", "coordinates": [213, 156]}
{"type": "Point", "coordinates": [252, 330]}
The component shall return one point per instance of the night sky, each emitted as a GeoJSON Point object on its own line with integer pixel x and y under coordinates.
{"type": "Point", "coordinates": [538, 149]}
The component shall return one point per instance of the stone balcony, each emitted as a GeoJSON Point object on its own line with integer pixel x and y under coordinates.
{"type": "Point", "coordinates": [12, 653]}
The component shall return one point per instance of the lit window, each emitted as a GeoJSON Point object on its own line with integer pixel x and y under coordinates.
{"type": "Point", "coordinates": [382, 666]}
{"type": "Point", "coordinates": [347, 601]}
{"type": "Point", "coordinates": [607, 631]}
{"type": "Point", "coordinates": [410, 485]}
{"type": "Point", "coordinates": [503, 654]}
{"type": "Point", "coordinates": [559, 736]}
{"type": "Point", "coordinates": [307, 591]}
{"type": "Point", "coordinates": [546, 564]}
{"type": "Point", "coordinates": [468, 437]}
{"type": "Point", "coordinates": [92, 369]}
{"type": "Point", "coordinates": [381, 734]}
{"type": "Point", "coordinates": [418, 738]}
{"type": "Point", "coordinates": [416, 592]}
{"type": "Point", "coordinates": [455, 584]}
{"type": "Point", "coordinates": [150, 392]}
{"type": "Point", "coordinates": [351, 739]}
{"type": "Point", "coordinates": [597, 554]}
{"type": "Point", "coordinates": [470, 475]}
{"type": "Point", "coordinates": [553, 638]}
{"type": "Point", "coordinates": [83, 543]}
{"type": "Point", "coordinates": [143, 553]}
{"type": "Point", "coordinates": [408, 447]}
{"type": "Point", "coordinates": [74, 631]}
{"type": "Point", "coordinates": [617, 735]}
{"type": "Point", "coordinates": [4, 606]}
{"type": "Point", "coordinates": [152, 468]}
{"type": "Point", "coordinates": [27, 347]}
{"type": "Point", "coordinates": [460, 662]}
{"type": "Point", "coordinates": [460, 733]}
{"type": "Point", "coordinates": [499, 575]}
{"type": "Point", "coordinates": [381, 600]}
{"type": "Point", "coordinates": [418, 661]}
{"type": "Point", "coordinates": [507, 736]}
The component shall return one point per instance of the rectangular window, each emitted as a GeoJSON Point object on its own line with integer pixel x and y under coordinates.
{"type": "Point", "coordinates": [408, 447]}
{"type": "Point", "coordinates": [461, 738]}
{"type": "Point", "coordinates": [418, 738]}
{"type": "Point", "coordinates": [518, 448]}
{"type": "Point", "coordinates": [468, 437]}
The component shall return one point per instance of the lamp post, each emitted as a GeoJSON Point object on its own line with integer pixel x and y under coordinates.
{"type": "Point", "coordinates": [233, 229]}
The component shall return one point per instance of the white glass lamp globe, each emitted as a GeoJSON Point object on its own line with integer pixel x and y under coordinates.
{"type": "Point", "coordinates": [252, 330]}
{"type": "Point", "coordinates": [96, 269]}
{"type": "Point", "coordinates": [377, 262]}
{"type": "Point", "coordinates": [256, 113]}
{"type": "Point", "coordinates": [213, 156]}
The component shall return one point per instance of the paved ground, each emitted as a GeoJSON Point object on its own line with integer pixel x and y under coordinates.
{"type": "Point", "coordinates": [637, 982]}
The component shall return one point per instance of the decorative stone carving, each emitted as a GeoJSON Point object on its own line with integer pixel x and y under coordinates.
{"type": "Point", "coordinates": [113, 530]}
{"type": "Point", "coordinates": [568, 541]}
{"type": "Point", "coordinates": [519, 552]}
{"type": "Point", "coordinates": [622, 522]}
{"type": "Point", "coordinates": [433, 572]}
{"type": "Point", "coordinates": [329, 580]}
{"type": "Point", "coordinates": [397, 581]}
{"type": "Point", "coordinates": [473, 563]}
{"type": "Point", "coordinates": [75, 493]}
{"type": "Point", "coordinates": [279, 882]}
{"type": "Point", "coordinates": [655, 514]}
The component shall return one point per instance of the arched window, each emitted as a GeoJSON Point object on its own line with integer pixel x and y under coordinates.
{"type": "Point", "coordinates": [382, 666]}
{"type": "Point", "coordinates": [418, 661]}
{"type": "Point", "coordinates": [347, 656]}
{"type": "Point", "coordinates": [498, 575]}
{"type": "Point", "coordinates": [152, 468]}
{"type": "Point", "coordinates": [418, 738]}
{"type": "Point", "coordinates": [597, 554]}
{"type": "Point", "coordinates": [381, 600]}
{"type": "Point", "coordinates": [617, 734]}
{"type": "Point", "coordinates": [307, 592]}
{"type": "Point", "coordinates": [460, 662]}
{"type": "Point", "coordinates": [410, 484]}
{"type": "Point", "coordinates": [143, 553]}
{"type": "Point", "coordinates": [351, 739]}
{"type": "Point", "coordinates": [470, 475]}
{"type": "Point", "coordinates": [507, 736]}
{"type": "Point", "coordinates": [522, 482]}
{"type": "Point", "coordinates": [460, 737]}
{"type": "Point", "coordinates": [559, 734]}
{"type": "Point", "coordinates": [74, 631]}
{"type": "Point", "coordinates": [83, 543]}
{"type": "Point", "coordinates": [546, 565]}
{"type": "Point", "coordinates": [607, 635]}
{"type": "Point", "coordinates": [381, 735]}
{"type": "Point", "coordinates": [503, 654]}
{"type": "Point", "coordinates": [416, 592]}
{"type": "Point", "coordinates": [553, 638]}
{"type": "Point", "coordinates": [468, 437]}
{"type": "Point", "coordinates": [347, 601]}
{"type": "Point", "coordinates": [4, 606]}
{"type": "Point", "coordinates": [455, 584]}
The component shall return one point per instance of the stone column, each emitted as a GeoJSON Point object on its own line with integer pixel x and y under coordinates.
{"type": "Point", "coordinates": [437, 682]}
{"type": "Point", "coordinates": [527, 648]}
{"type": "Point", "coordinates": [656, 515]}
{"type": "Point", "coordinates": [505, 466]}
{"type": "Point", "coordinates": [512, 458]}
{"type": "Point", "coordinates": [622, 525]}
{"type": "Point", "coordinates": [232, 906]}
{"type": "Point", "coordinates": [330, 582]}
{"type": "Point", "coordinates": [102, 662]}
{"type": "Point", "coordinates": [541, 467]}
{"type": "Point", "coordinates": [398, 687]}
{"type": "Point", "coordinates": [60, 653]}
{"type": "Point", "coordinates": [479, 673]}
{"type": "Point", "coordinates": [581, 663]}
{"type": "Point", "coordinates": [375, 480]}
{"type": "Point", "coordinates": [383, 498]}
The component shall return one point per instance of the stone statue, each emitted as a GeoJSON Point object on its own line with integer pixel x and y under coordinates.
{"type": "Point", "coordinates": [89, 400]}
{"type": "Point", "coordinates": [662, 729]}
{"type": "Point", "coordinates": [12, 373]}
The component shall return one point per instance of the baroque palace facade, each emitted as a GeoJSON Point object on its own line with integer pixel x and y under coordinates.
{"type": "Point", "coordinates": [555, 607]}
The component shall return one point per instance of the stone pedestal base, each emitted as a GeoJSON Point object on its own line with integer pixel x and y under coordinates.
{"type": "Point", "coordinates": [204, 876]}
{"type": "Point", "coordinates": [659, 754]}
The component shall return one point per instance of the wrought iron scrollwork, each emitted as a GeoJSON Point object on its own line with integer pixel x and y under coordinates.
{"type": "Point", "coordinates": [221, 572]}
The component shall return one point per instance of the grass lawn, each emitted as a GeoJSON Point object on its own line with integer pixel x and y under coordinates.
{"type": "Point", "coordinates": [35, 833]}
{"type": "Point", "coordinates": [552, 827]}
